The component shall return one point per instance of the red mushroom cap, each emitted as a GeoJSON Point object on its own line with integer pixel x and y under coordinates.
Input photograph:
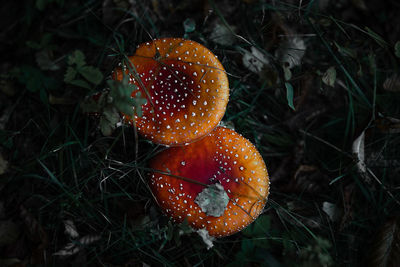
{"type": "Point", "coordinates": [186, 88]}
{"type": "Point", "coordinates": [224, 158]}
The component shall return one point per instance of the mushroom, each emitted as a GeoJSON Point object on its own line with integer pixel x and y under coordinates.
{"type": "Point", "coordinates": [186, 87]}
{"type": "Point", "coordinates": [219, 183]}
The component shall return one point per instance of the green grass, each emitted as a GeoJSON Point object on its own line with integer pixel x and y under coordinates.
{"type": "Point", "coordinates": [62, 168]}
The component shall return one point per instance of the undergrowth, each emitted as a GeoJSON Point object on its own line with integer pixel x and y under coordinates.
{"type": "Point", "coordinates": [313, 84]}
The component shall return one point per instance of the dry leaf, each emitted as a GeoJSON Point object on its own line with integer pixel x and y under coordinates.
{"type": "Point", "coordinates": [359, 150]}
{"type": "Point", "coordinates": [208, 240]}
{"type": "Point", "coordinates": [222, 35]}
{"type": "Point", "coordinates": [385, 249]}
{"type": "Point", "coordinates": [70, 229]}
{"type": "Point", "coordinates": [36, 234]}
{"type": "Point", "coordinates": [3, 164]}
{"type": "Point", "coordinates": [78, 245]}
{"type": "Point", "coordinates": [331, 210]}
{"type": "Point", "coordinates": [329, 77]}
{"type": "Point", "coordinates": [388, 125]}
{"type": "Point", "coordinates": [291, 52]}
{"type": "Point", "coordinates": [392, 83]}
{"type": "Point", "coordinates": [9, 232]}
{"type": "Point", "coordinates": [254, 60]}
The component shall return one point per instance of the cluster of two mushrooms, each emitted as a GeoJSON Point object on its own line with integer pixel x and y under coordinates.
{"type": "Point", "coordinates": [210, 175]}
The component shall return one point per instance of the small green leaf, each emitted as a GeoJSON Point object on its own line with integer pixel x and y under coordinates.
{"type": "Point", "coordinates": [378, 39]}
{"type": "Point", "coordinates": [259, 228]}
{"type": "Point", "coordinates": [372, 63]}
{"type": "Point", "coordinates": [189, 25]}
{"type": "Point", "coordinates": [347, 52]}
{"type": "Point", "coordinates": [70, 75]}
{"type": "Point", "coordinates": [9, 232]}
{"type": "Point", "coordinates": [77, 58]}
{"type": "Point", "coordinates": [289, 95]}
{"type": "Point", "coordinates": [124, 107]}
{"type": "Point", "coordinates": [108, 120]}
{"type": "Point", "coordinates": [43, 96]}
{"type": "Point", "coordinates": [397, 49]}
{"type": "Point", "coordinates": [287, 73]}
{"type": "Point", "coordinates": [41, 4]}
{"type": "Point", "coordinates": [91, 74]}
{"type": "Point", "coordinates": [44, 60]}
{"type": "Point", "coordinates": [329, 77]}
{"type": "Point", "coordinates": [80, 83]}
{"type": "Point", "coordinates": [90, 105]}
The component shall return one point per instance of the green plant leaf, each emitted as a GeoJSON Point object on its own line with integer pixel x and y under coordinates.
{"type": "Point", "coordinates": [41, 4]}
{"type": "Point", "coordinates": [91, 74]}
{"type": "Point", "coordinates": [108, 120]}
{"type": "Point", "coordinates": [90, 105]}
{"type": "Point", "coordinates": [70, 75]}
{"type": "Point", "coordinates": [80, 83]}
{"type": "Point", "coordinates": [44, 60]}
{"type": "Point", "coordinates": [125, 107]}
{"type": "Point", "coordinates": [347, 52]}
{"type": "Point", "coordinates": [287, 72]}
{"type": "Point", "coordinates": [43, 95]}
{"type": "Point", "coordinates": [31, 77]}
{"type": "Point", "coordinates": [189, 25]}
{"type": "Point", "coordinates": [378, 39]}
{"type": "Point", "coordinates": [259, 228]}
{"type": "Point", "coordinates": [77, 58]}
{"type": "Point", "coordinates": [121, 93]}
{"type": "Point", "coordinates": [289, 95]}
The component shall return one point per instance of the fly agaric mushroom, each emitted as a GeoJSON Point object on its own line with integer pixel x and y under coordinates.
{"type": "Point", "coordinates": [219, 183]}
{"type": "Point", "coordinates": [186, 89]}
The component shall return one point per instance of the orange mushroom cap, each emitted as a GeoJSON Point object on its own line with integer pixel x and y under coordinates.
{"type": "Point", "coordinates": [223, 158]}
{"type": "Point", "coordinates": [186, 89]}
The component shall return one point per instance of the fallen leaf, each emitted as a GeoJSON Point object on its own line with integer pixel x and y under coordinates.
{"type": "Point", "coordinates": [70, 229]}
{"type": "Point", "coordinates": [76, 246]}
{"type": "Point", "coordinates": [254, 60]}
{"type": "Point", "coordinates": [45, 61]}
{"type": "Point", "coordinates": [9, 232]}
{"type": "Point", "coordinates": [14, 262]}
{"type": "Point", "coordinates": [397, 49]}
{"type": "Point", "coordinates": [291, 52]}
{"type": "Point", "coordinates": [331, 210]}
{"type": "Point", "coordinates": [207, 239]}
{"type": "Point", "coordinates": [222, 35]}
{"type": "Point", "coordinates": [329, 77]}
{"type": "Point", "coordinates": [359, 150]}
{"type": "Point", "coordinates": [3, 165]}
{"type": "Point", "coordinates": [392, 83]}
{"type": "Point", "coordinates": [36, 234]}
{"type": "Point", "coordinates": [385, 249]}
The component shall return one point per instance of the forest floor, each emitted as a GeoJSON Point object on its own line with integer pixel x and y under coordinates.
{"type": "Point", "coordinates": [314, 85]}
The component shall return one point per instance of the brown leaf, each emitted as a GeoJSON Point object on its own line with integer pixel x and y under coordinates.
{"type": "Point", "coordinates": [385, 249]}
{"type": "Point", "coordinates": [3, 164]}
{"type": "Point", "coordinates": [9, 232]}
{"type": "Point", "coordinates": [36, 234]}
{"type": "Point", "coordinates": [392, 83]}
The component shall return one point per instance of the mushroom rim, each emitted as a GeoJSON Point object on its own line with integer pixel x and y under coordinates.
{"type": "Point", "coordinates": [262, 198]}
